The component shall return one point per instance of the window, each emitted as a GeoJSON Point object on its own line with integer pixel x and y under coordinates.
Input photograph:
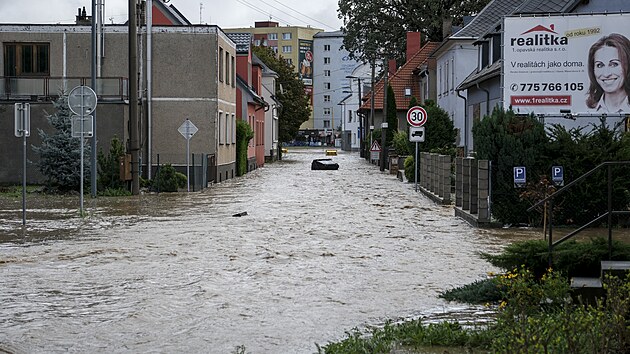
{"type": "Point", "coordinates": [233, 128]}
{"type": "Point", "coordinates": [220, 64]}
{"type": "Point", "coordinates": [349, 116]}
{"type": "Point", "coordinates": [447, 76]}
{"type": "Point", "coordinates": [326, 111]}
{"type": "Point", "coordinates": [286, 49]}
{"type": "Point", "coordinates": [326, 47]}
{"type": "Point", "coordinates": [288, 61]}
{"type": "Point", "coordinates": [221, 128]}
{"type": "Point", "coordinates": [326, 98]}
{"type": "Point", "coordinates": [326, 124]}
{"type": "Point", "coordinates": [326, 72]}
{"type": "Point", "coordinates": [496, 48]}
{"type": "Point", "coordinates": [485, 54]}
{"type": "Point", "coordinates": [327, 85]}
{"type": "Point", "coordinates": [452, 74]}
{"type": "Point", "coordinates": [26, 59]}
{"type": "Point", "coordinates": [257, 42]}
{"type": "Point", "coordinates": [274, 48]}
{"type": "Point", "coordinates": [326, 60]}
{"type": "Point", "coordinates": [227, 67]}
{"type": "Point", "coordinates": [286, 36]}
{"type": "Point", "coordinates": [440, 80]}
{"type": "Point", "coordinates": [272, 36]}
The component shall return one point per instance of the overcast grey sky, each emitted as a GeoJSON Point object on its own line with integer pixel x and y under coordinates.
{"type": "Point", "coordinates": [224, 13]}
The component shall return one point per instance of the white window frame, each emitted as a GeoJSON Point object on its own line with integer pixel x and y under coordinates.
{"type": "Point", "coordinates": [286, 36]}
{"type": "Point", "coordinates": [272, 36]}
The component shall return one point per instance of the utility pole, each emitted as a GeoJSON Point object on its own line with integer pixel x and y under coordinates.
{"type": "Point", "coordinates": [93, 169]}
{"type": "Point", "coordinates": [369, 154]}
{"type": "Point", "coordinates": [134, 147]}
{"type": "Point", "coordinates": [361, 144]}
{"type": "Point", "coordinates": [384, 125]}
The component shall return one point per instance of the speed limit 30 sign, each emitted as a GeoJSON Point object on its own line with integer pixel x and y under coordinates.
{"type": "Point", "coordinates": [416, 116]}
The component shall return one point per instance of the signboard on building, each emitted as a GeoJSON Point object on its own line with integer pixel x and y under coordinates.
{"type": "Point", "coordinates": [305, 58]}
{"type": "Point", "coordinates": [566, 64]}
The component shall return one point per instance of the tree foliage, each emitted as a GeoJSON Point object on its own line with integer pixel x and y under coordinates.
{"type": "Point", "coordinates": [392, 118]}
{"type": "Point", "coordinates": [440, 131]}
{"type": "Point", "coordinates": [109, 167]}
{"type": "Point", "coordinates": [291, 93]}
{"type": "Point", "coordinates": [60, 153]}
{"type": "Point", "coordinates": [244, 134]}
{"type": "Point", "coordinates": [375, 27]}
{"type": "Point", "coordinates": [509, 140]}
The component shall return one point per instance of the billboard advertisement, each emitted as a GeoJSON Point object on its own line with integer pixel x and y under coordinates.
{"type": "Point", "coordinates": [571, 64]}
{"type": "Point", "coordinates": [305, 58]}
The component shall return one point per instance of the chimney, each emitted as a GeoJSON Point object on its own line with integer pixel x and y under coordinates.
{"type": "Point", "coordinates": [414, 42]}
{"type": "Point", "coordinates": [447, 27]}
{"type": "Point", "coordinates": [391, 66]}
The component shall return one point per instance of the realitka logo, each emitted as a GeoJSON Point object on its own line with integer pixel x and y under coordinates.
{"type": "Point", "coordinates": [542, 36]}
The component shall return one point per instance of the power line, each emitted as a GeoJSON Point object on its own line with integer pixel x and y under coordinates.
{"type": "Point", "coordinates": [302, 14]}
{"type": "Point", "coordinates": [262, 11]}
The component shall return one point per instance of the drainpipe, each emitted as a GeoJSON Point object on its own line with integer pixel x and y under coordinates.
{"type": "Point", "coordinates": [465, 121]}
{"type": "Point", "coordinates": [65, 61]}
{"type": "Point", "coordinates": [487, 98]}
{"type": "Point", "coordinates": [149, 15]}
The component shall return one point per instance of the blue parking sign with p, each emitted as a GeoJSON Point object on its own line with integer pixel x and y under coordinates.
{"type": "Point", "coordinates": [557, 176]}
{"type": "Point", "coordinates": [520, 176]}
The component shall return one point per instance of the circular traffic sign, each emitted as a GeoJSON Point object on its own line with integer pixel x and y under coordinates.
{"type": "Point", "coordinates": [416, 116]}
{"type": "Point", "coordinates": [82, 100]}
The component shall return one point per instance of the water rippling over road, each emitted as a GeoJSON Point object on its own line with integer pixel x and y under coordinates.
{"type": "Point", "coordinates": [318, 253]}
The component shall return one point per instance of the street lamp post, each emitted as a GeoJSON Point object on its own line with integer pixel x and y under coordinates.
{"type": "Point", "coordinates": [361, 125]}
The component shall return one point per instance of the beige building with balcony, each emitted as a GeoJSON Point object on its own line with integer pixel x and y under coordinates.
{"type": "Point", "coordinates": [192, 76]}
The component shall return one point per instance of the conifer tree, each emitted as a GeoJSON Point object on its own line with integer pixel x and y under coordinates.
{"type": "Point", "coordinates": [60, 153]}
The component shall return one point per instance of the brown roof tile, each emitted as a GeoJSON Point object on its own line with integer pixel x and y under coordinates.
{"type": "Point", "coordinates": [403, 78]}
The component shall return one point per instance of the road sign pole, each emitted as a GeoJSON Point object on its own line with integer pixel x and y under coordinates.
{"type": "Point", "coordinates": [23, 114]}
{"type": "Point", "coordinates": [188, 164]}
{"type": "Point", "coordinates": [416, 167]}
{"type": "Point", "coordinates": [81, 142]}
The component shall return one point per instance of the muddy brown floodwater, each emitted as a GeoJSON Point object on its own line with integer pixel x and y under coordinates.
{"type": "Point", "coordinates": [318, 253]}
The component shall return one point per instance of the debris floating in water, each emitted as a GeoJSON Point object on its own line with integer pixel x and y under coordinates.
{"type": "Point", "coordinates": [243, 213]}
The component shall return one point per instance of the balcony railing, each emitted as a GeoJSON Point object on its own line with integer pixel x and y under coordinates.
{"type": "Point", "coordinates": [47, 88]}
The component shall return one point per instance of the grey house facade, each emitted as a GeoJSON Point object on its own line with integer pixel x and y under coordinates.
{"type": "Point", "coordinates": [484, 86]}
{"type": "Point", "coordinates": [192, 76]}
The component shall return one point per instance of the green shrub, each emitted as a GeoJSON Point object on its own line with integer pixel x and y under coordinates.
{"type": "Point", "coordinates": [479, 292]}
{"type": "Point", "coordinates": [509, 140]}
{"type": "Point", "coordinates": [244, 134]}
{"type": "Point", "coordinates": [168, 179]}
{"type": "Point", "coordinates": [410, 164]}
{"type": "Point", "coordinates": [571, 258]}
{"type": "Point", "coordinates": [109, 168]}
{"type": "Point", "coordinates": [538, 317]}
{"type": "Point", "coordinates": [401, 143]}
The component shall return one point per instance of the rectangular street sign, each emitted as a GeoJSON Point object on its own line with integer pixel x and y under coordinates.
{"type": "Point", "coordinates": [88, 126]}
{"type": "Point", "coordinates": [416, 134]}
{"type": "Point", "coordinates": [520, 176]}
{"type": "Point", "coordinates": [22, 116]}
{"type": "Point", "coordinates": [557, 176]}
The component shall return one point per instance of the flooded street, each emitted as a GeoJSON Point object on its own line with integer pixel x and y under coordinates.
{"type": "Point", "coordinates": [318, 253]}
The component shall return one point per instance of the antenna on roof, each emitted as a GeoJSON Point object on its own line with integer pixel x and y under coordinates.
{"type": "Point", "coordinates": [200, 12]}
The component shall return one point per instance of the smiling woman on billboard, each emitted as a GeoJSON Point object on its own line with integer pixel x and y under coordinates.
{"type": "Point", "coordinates": [609, 73]}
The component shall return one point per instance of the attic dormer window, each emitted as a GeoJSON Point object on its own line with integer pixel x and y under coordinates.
{"type": "Point", "coordinates": [485, 54]}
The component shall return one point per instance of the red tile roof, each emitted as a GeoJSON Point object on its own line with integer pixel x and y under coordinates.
{"type": "Point", "coordinates": [402, 79]}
